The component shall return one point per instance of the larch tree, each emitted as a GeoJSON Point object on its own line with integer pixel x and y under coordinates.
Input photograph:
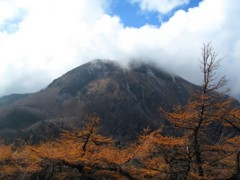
{"type": "Point", "coordinates": [17, 162]}
{"type": "Point", "coordinates": [202, 112]}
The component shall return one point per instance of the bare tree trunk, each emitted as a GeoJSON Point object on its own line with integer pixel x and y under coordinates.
{"type": "Point", "coordinates": [198, 155]}
{"type": "Point", "coordinates": [87, 139]}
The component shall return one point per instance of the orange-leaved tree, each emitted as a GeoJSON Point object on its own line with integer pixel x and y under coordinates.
{"type": "Point", "coordinates": [17, 162]}
{"type": "Point", "coordinates": [86, 150]}
{"type": "Point", "coordinates": [202, 115]}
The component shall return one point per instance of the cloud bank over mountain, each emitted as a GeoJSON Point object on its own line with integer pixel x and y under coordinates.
{"type": "Point", "coordinates": [40, 40]}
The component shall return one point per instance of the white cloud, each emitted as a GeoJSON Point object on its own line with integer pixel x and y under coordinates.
{"type": "Point", "coordinates": [58, 35]}
{"type": "Point", "coordinates": [6, 10]}
{"type": "Point", "coordinates": [161, 6]}
{"type": "Point", "coordinates": [47, 41]}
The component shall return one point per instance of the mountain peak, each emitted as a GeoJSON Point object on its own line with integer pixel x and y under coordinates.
{"type": "Point", "coordinates": [127, 99]}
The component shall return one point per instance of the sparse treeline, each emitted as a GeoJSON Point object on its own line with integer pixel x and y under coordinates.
{"type": "Point", "coordinates": [208, 147]}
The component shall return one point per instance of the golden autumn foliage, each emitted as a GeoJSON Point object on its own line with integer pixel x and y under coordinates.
{"type": "Point", "coordinates": [86, 153]}
{"type": "Point", "coordinates": [91, 154]}
{"type": "Point", "coordinates": [17, 161]}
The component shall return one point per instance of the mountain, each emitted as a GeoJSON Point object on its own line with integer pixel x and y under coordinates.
{"type": "Point", "coordinates": [126, 99]}
{"type": "Point", "coordinates": [6, 100]}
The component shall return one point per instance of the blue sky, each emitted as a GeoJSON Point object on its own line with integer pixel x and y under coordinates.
{"type": "Point", "coordinates": [40, 39]}
{"type": "Point", "coordinates": [128, 11]}
{"type": "Point", "coordinates": [11, 24]}
{"type": "Point", "coordinates": [132, 16]}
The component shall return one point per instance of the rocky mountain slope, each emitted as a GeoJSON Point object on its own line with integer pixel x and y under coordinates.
{"type": "Point", "coordinates": [126, 99]}
{"type": "Point", "coordinates": [5, 100]}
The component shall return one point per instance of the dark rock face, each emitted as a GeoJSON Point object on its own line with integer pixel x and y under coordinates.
{"type": "Point", "coordinates": [127, 100]}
